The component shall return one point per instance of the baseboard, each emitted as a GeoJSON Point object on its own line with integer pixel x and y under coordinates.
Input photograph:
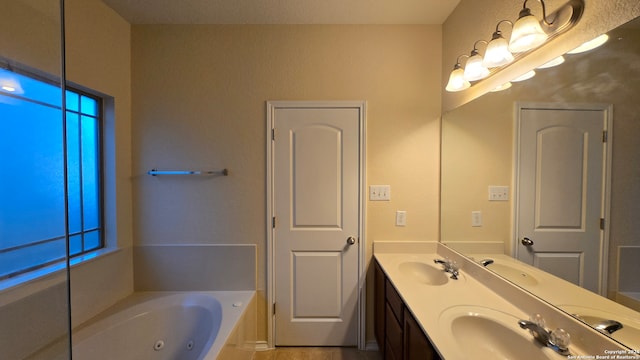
{"type": "Point", "coordinates": [262, 346]}
{"type": "Point", "coordinates": [371, 345]}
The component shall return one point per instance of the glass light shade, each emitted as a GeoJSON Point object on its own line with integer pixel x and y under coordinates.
{"type": "Point", "coordinates": [497, 53]}
{"type": "Point", "coordinates": [457, 82]}
{"type": "Point", "coordinates": [590, 45]}
{"type": "Point", "coordinates": [555, 62]}
{"type": "Point", "coordinates": [504, 86]}
{"type": "Point", "coordinates": [526, 34]}
{"type": "Point", "coordinates": [474, 70]}
{"type": "Point", "coordinates": [525, 76]}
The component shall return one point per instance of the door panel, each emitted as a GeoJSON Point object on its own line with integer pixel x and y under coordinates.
{"type": "Point", "coordinates": [316, 177]}
{"type": "Point", "coordinates": [560, 184]}
{"type": "Point", "coordinates": [317, 170]}
{"type": "Point", "coordinates": [565, 265]}
{"type": "Point", "coordinates": [312, 298]}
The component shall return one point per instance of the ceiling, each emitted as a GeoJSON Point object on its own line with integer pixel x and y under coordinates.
{"type": "Point", "coordinates": [284, 11]}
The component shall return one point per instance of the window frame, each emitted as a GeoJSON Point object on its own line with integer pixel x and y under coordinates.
{"type": "Point", "coordinates": [100, 118]}
{"type": "Point", "coordinates": [39, 270]}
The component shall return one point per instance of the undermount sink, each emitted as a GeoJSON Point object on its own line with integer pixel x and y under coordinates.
{"type": "Point", "coordinates": [629, 334]}
{"type": "Point", "coordinates": [516, 275]}
{"type": "Point", "coordinates": [424, 273]}
{"type": "Point", "coordinates": [485, 333]}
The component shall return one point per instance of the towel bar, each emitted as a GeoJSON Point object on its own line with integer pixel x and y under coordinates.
{"type": "Point", "coordinates": [154, 172]}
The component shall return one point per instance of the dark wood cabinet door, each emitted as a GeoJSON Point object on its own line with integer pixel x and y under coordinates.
{"type": "Point", "coordinates": [379, 305]}
{"type": "Point", "coordinates": [416, 344]}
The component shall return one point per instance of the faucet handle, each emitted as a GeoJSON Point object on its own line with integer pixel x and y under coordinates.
{"type": "Point", "coordinates": [560, 338]}
{"type": "Point", "coordinates": [538, 320]}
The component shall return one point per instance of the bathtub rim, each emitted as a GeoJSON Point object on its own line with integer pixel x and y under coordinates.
{"type": "Point", "coordinates": [231, 313]}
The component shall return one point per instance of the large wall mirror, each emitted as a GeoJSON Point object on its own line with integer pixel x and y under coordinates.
{"type": "Point", "coordinates": [529, 173]}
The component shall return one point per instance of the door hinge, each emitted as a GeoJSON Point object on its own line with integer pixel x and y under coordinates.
{"type": "Point", "coordinates": [601, 224]}
{"type": "Point", "coordinates": [273, 134]}
{"type": "Point", "coordinates": [274, 308]}
{"type": "Point", "coordinates": [273, 222]}
{"type": "Point", "coordinates": [604, 136]}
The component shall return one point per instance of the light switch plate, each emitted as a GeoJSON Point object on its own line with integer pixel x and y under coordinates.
{"type": "Point", "coordinates": [498, 193]}
{"type": "Point", "coordinates": [380, 192]}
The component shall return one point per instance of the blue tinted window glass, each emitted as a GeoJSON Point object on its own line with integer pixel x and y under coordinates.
{"type": "Point", "coordinates": [90, 176]}
{"type": "Point", "coordinates": [75, 244]}
{"type": "Point", "coordinates": [88, 106]}
{"type": "Point", "coordinates": [73, 101]}
{"type": "Point", "coordinates": [30, 88]}
{"type": "Point", "coordinates": [92, 240]}
{"type": "Point", "coordinates": [32, 181]}
{"type": "Point", "coordinates": [74, 174]}
{"type": "Point", "coordinates": [31, 257]}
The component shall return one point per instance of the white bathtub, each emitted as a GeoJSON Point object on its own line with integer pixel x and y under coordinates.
{"type": "Point", "coordinates": [171, 326]}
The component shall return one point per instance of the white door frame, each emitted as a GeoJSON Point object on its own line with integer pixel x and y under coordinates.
{"type": "Point", "coordinates": [606, 194]}
{"type": "Point", "coordinates": [271, 108]}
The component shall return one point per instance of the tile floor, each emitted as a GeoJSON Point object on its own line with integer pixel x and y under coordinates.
{"type": "Point", "coordinates": [316, 353]}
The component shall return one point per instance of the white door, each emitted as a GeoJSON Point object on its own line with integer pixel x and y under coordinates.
{"type": "Point", "coordinates": [560, 178]}
{"type": "Point", "coordinates": [316, 204]}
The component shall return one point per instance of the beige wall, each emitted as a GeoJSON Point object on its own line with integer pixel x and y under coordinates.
{"type": "Point", "coordinates": [199, 97]}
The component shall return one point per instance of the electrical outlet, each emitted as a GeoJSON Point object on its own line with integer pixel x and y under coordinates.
{"type": "Point", "coordinates": [476, 218]}
{"type": "Point", "coordinates": [379, 192]}
{"type": "Point", "coordinates": [401, 218]}
{"type": "Point", "coordinates": [498, 193]}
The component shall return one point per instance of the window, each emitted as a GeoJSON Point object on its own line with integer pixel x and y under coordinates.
{"type": "Point", "coordinates": [36, 213]}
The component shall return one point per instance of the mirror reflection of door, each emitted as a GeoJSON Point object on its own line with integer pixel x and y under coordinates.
{"type": "Point", "coordinates": [561, 177]}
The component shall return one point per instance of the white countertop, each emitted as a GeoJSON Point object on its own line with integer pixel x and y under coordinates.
{"type": "Point", "coordinates": [476, 288]}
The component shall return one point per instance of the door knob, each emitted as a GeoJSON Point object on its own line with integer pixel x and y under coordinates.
{"type": "Point", "coordinates": [351, 240]}
{"type": "Point", "coordinates": [526, 241]}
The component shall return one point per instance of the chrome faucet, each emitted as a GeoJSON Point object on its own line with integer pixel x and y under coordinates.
{"type": "Point", "coordinates": [449, 266]}
{"type": "Point", "coordinates": [539, 333]}
{"type": "Point", "coordinates": [485, 262]}
{"type": "Point", "coordinates": [608, 327]}
{"type": "Point", "coordinates": [557, 339]}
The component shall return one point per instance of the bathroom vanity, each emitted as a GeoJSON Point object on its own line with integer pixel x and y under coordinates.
{"type": "Point", "coordinates": [397, 331]}
{"type": "Point", "coordinates": [421, 312]}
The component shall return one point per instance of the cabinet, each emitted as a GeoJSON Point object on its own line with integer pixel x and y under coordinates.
{"type": "Point", "coordinates": [398, 334]}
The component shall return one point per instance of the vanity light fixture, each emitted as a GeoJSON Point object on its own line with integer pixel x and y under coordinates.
{"type": "Point", "coordinates": [474, 68]}
{"type": "Point", "coordinates": [555, 62]}
{"type": "Point", "coordinates": [590, 45]}
{"type": "Point", "coordinates": [525, 76]}
{"type": "Point", "coordinates": [457, 82]}
{"type": "Point", "coordinates": [497, 53]}
{"type": "Point", "coordinates": [527, 32]}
